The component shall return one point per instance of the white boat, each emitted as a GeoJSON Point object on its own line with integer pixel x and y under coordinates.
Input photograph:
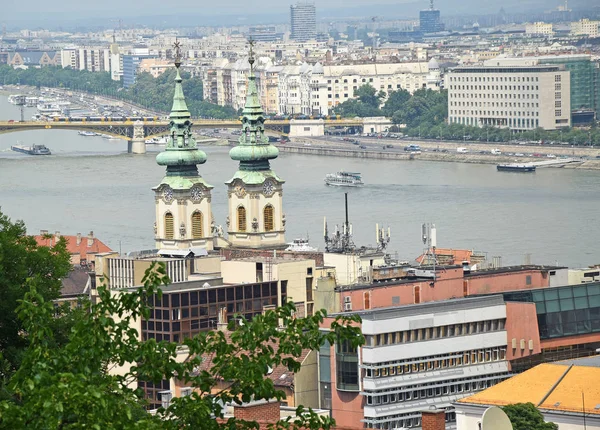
{"type": "Point", "coordinates": [157, 140]}
{"type": "Point", "coordinates": [300, 245]}
{"type": "Point", "coordinates": [344, 179]}
{"type": "Point", "coordinates": [87, 133]}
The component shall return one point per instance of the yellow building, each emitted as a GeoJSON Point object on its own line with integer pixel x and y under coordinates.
{"type": "Point", "coordinates": [586, 27]}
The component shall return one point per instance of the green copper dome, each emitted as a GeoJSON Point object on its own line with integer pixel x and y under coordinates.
{"type": "Point", "coordinates": [254, 150]}
{"type": "Point", "coordinates": [181, 154]}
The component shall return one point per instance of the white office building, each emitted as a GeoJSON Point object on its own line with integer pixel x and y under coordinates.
{"type": "Point", "coordinates": [515, 97]}
{"type": "Point", "coordinates": [303, 21]}
{"type": "Point", "coordinates": [420, 356]}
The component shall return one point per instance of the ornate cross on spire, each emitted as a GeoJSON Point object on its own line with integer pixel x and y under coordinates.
{"type": "Point", "coordinates": [251, 42]}
{"type": "Point", "coordinates": [177, 46]}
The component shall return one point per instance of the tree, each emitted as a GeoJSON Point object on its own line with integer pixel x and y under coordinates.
{"type": "Point", "coordinates": [23, 263]}
{"type": "Point", "coordinates": [395, 102]}
{"type": "Point", "coordinates": [69, 386]}
{"type": "Point", "coordinates": [525, 416]}
{"type": "Point", "coordinates": [368, 95]}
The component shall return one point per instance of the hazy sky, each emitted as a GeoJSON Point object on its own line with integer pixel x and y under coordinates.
{"type": "Point", "coordinates": [55, 12]}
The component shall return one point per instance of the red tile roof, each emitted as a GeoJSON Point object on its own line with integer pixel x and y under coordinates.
{"type": "Point", "coordinates": [281, 376]}
{"type": "Point", "coordinates": [81, 245]}
{"type": "Point", "coordinates": [457, 255]}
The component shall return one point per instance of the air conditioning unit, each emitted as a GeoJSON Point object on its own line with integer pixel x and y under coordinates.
{"type": "Point", "coordinates": [522, 344]}
{"type": "Point", "coordinates": [514, 343]}
{"type": "Point", "coordinates": [347, 299]}
{"type": "Point", "coordinates": [348, 306]}
{"type": "Point", "coordinates": [186, 392]}
{"type": "Point", "coordinates": [531, 345]}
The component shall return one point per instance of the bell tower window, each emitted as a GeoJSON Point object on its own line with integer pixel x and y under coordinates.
{"type": "Point", "coordinates": [241, 218]}
{"type": "Point", "coordinates": [197, 225]}
{"type": "Point", "coordinates": [268, 218]}
{"type": "Point", "coordinates": [169, 229]}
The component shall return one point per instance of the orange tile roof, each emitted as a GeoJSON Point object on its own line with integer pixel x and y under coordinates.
{"type": "Point", "coordinates": [534, 384]}
{"type": "Point", "coordinates": [82, 248]}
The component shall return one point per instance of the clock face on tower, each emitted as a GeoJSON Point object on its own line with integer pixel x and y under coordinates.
{"type": "Point", "coordinates": [268, 188]}
{"type": "Point", "coordinates": [196, 194]}
{"type": "Point", "coordinates": [168, 194]}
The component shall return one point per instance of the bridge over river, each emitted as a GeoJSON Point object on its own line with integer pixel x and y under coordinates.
{"type": "Point", "coordinates": [136, 132]}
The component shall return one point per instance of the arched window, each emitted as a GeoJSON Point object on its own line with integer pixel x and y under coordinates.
{"type": "Point", "coordinates": [197, 225]}
{"type": "Point", "coordinates": [268, 217]}
{"type": "Point", "coordinates": [169, 230]}
{"type": "Point", "coordinates": [241, 218]}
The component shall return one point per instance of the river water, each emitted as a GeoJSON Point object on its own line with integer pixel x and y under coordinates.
{"type": "Point", "coordinates": [90, 183]}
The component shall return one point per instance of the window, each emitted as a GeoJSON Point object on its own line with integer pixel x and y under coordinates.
{"type": "Point", "coordinates": [268, 217]}
{"type": "Point", "coordinates": [241, 218]}
{"type": "Point", "coordinates": [169, 230]}
{"type": "Point", "coordinates": [528, 280]}
{"type": "Point", "coordinates": [197, 221]}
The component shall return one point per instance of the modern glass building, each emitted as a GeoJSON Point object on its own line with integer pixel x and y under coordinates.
{"type": "Point", "coordinates": [429, 21]}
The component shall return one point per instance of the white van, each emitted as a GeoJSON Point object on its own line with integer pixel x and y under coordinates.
{"type": "Point", "coordinates": [496, 151]}
{"type": "Point", "coordinates": [462, 150]}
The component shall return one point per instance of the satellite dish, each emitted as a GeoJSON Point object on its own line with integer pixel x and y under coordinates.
{"type": "Point", "coordinates": [495, 418]}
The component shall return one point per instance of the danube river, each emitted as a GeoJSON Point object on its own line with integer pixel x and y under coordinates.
{"type": "Point", "coordinates": [90, 183]}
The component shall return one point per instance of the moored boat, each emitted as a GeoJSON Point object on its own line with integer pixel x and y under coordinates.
{"type": "Point", "coordinates": [516, 168]}
{"type": "Point", "coordinates": [300, 245]}
{"type": "Point", "coordinates": [344, 179]}
{"type": "Point", "coordinates": [31, 150]}
{"type": "Point", "coordinates": [87, 133]}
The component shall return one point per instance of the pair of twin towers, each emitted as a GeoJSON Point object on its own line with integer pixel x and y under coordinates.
{"type": "Point", "coordinates": [183, 198]}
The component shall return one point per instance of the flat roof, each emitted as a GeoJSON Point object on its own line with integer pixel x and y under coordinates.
{"type": "Point", "coordinates": [428, 307]}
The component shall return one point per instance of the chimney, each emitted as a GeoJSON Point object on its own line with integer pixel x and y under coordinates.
{"type": "Point", "coordinates": [78, 239]}
{"type": "Point", "coordinates": [433, 419]}
{"type": "Point", "coordinates": [56, 237]}
{"type": "Point", "coordinates": [222, 319]}
{"type": "Point", "coordinates": [43, 232]}
{"type": "Point", "coordinates": [259, 410]}
{"type": "Point", "coordinates": [90, 239]}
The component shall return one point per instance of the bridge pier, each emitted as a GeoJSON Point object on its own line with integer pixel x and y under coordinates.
{"type": "Point", "coordinates": [136, 146]}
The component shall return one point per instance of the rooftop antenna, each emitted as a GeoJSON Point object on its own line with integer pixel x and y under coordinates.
{"type": "Point", "coordinates": [431, 4]}
{"type": "Point", "coordinates": [340, 241]}
{"type": "Point", "coordinates": [429, 236]}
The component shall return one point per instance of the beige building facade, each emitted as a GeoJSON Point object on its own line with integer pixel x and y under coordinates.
{"type": "Point", "coordinates": [515, 97]}
{"type": "Point", "coordinates": [587, 27]}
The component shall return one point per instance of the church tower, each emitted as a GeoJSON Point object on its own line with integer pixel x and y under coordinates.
{"type": "Point", "coordinates": [183, 207]}
{"type": "Point", "coordinates": [256, 218]}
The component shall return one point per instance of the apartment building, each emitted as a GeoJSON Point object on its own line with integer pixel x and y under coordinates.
{"type": "Point", "coordinates": [86, 58]}
{"type": "Point", "coordinates": [586, 27]}
{"type": "Point", "coordinates": [303, 20]}
{"type": "Point", "coordinates": [313, 89]}
{"type": "Point", "coordinates": [539, 29]}
{"type": "Point", "coordinates": [415, 357]}
{"type": "Point", "coordinates": [515, 97]}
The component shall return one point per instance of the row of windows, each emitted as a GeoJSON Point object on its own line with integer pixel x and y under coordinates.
{"type": "Point", "coordinates": [494, 104]}
{"type": "Point", "coordinates": [512, 122]}
{"type": "Point", "coordinates": [427, 364]}
{"type": "Point", "coordinates": [403, 421]}
{"type": "Point", "coordinates": [495, 87]}
{"type": "Point", "coordinates": [409, 394]}
{"type": "Point", "coordinates": [494, 79]}
{"type": "Point", "coordinates": [434, 332]}
{"type": "Point", "coordinates": [268, 220]}
{"type": "Point", "coordinates": [493, 112]}
{"type": "Point", "coordinates": [493, 96]}
{"type": "Point", "coordinates": [197, 225]}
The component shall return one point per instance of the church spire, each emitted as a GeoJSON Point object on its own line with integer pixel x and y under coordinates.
{"type": "Point", "coordinates": [181, 153]}
{"type": "Point", "coordinates": [254, 150]}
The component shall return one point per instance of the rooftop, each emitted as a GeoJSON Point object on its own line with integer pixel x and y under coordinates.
{"type": "Point", "coordinates": [77, 244]}
{"type": "Point", "coordinates": [553, 387]}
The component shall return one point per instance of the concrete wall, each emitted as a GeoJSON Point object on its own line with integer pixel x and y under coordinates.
{"type": "Point", "coordinates": [306, 391]}
{"type": "Point", "coordinates": [210, 264]}
{"type": "Point", "coordinates": [236, 272]}
{"type": "Point", "coordinates": [307, 127]}
{"type": "Point", "coordinates": [522, 325]}
{"type": "Point", "coordinates": [295, 272]}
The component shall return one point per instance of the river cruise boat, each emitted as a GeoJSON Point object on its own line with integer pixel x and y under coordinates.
{"type": "Point", "coordinates": [525, 168]}
{"type": "Point", "coordinates": [300, 245]}
{"type": "Point", "coordinates": [344, 179]}
{"type": "Point", "coordinates": [31, 150]}
{"type": "Point", "coordinates": [87, 133]}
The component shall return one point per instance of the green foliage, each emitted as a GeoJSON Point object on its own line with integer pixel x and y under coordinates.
{"type": "Point", "coordinates": [69, 386]}
{"type": "Point", "coordinates": [155, 94]}
{"type": "Point", "coordinates": [525, 416]}
{"type": "Point", "coordinates": [23, 263]}
{"type": "Point", "coordinates": [365, 104]}
{"type": "Point", "coordinates": [395, 102]}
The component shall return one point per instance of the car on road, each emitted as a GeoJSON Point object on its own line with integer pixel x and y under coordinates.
{"type": "Point", "coordinates": [412, 147]}
{"type": "Point", "coordinates": [362, 147]}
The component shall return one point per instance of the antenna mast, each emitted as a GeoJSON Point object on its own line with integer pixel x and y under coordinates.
{"type": "Point", "coordinates": [429, 236]}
